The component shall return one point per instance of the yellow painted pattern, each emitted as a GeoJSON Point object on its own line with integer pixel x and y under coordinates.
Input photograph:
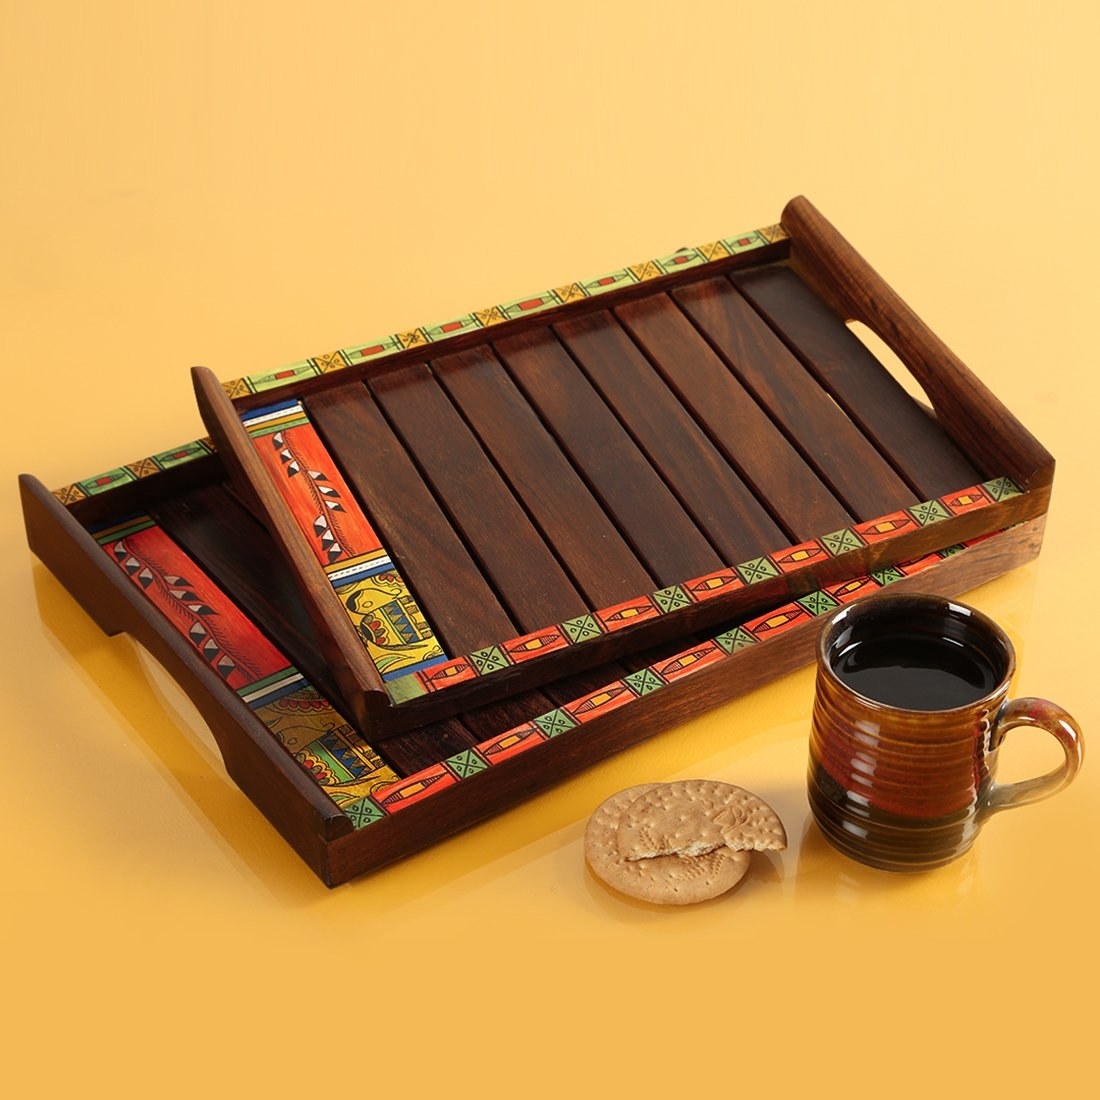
{"type": "Point", "coordinates": [389, 622]}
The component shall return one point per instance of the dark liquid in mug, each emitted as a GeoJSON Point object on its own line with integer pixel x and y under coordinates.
{"type": "Point", "coordinates": [916, 671]}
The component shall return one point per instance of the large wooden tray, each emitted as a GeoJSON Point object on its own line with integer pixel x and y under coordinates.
{"type": "Point", "coordinates": [448, 568]}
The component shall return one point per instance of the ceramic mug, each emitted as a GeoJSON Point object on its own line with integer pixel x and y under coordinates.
{"type": "Point", "coordinates": [910, 711]}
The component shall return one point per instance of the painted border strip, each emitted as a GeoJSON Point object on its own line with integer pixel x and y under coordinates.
{"type": "Point", "coordinates": [585, 628]}
{"type": "Point", "coordinates": [406, 792]}
{"type": "Point", "coordinates": [506, 311]}
{"type": "Point", "coordinates": [387, 618]}
{"type": "Point", "coordinates": [372, 350]}
{"type": "Point", "coordinates": [319, 738]}
{"type": "Point", "coordinates": [330, 750]}
{"type": "Point", "coordinates": [134, 471]}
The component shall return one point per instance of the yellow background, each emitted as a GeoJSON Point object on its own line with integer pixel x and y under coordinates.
{"type": "Point", "coordinates": [247, 184]}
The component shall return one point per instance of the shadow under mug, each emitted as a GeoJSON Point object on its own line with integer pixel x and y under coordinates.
{"type": "Point", "coordinates": [910, 711]}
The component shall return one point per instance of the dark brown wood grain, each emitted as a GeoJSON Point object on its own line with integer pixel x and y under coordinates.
{"type": "Point", "coordinates": [512, 553]}
{"type": "Point", "coordinates": [714, 494]}
{"type": "Point", "coordinates": [918, 447]}
{"type": "Point", "coordinates": [767, 460]}
{"type": "Point", "coordinates": [140, 495]}
{"type": "Point", "coordinates": [419, 748]}
{"type": "Point", "coordinates": [839, 452]}
{"type": "Point", "coordinates": [588, 544]}
{"type": "Point", "coordinates": [632, 492]}
{"type": "Point", "coordinates": [448, 585]}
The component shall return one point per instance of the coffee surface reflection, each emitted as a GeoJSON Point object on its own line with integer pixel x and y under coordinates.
{"type": "Point", "coordinates": [917, 671]}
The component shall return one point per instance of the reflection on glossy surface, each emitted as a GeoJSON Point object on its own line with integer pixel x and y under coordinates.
{"type": "Point", "coordinates": [824, 874]}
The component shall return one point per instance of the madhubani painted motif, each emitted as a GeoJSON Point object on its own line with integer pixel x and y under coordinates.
{"type": "Point", "coordinates": [342, 763]}
{"type": "Point", "coordinates": [387, 618]}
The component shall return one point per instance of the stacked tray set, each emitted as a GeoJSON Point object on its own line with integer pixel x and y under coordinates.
{"type": "Point", "coordinates": [413, 582]}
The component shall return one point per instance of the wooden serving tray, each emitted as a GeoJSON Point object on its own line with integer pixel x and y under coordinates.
{"type": "Point", "coordinates": [451, 567]}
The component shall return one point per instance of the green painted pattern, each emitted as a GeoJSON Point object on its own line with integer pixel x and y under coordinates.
{"type": "Point", "coordinates": [641, 683]}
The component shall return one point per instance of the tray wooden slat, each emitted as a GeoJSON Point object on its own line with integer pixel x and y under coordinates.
{"type": "Point", "coordinates": [711, 490]}
{"type": "Point", "coordinates": [632, 491]}
{"type": "Point", "coordinates": [417, 749]}
{"type": "Point", "coordinates": [842, 456]}
{"type": "Point", "coordinates": [800, 500]}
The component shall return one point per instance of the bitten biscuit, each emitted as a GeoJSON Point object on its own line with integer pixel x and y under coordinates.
{"type": "Point", "coordinates": [664, 879]}
{"type": "Point", "coordinates": [695, 816]}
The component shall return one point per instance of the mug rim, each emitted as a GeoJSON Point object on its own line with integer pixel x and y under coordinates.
{"type": "Point", "coordinates": [873, 604]}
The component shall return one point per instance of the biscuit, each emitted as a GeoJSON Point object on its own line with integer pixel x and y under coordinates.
{"type": "Point", "coordinates": [672, 879]}
{"type": "Point", "coordinates": [697, 816]}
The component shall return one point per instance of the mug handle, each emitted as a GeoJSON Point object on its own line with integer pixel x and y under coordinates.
{"type": "Point", "coordinates": [1047, 716]}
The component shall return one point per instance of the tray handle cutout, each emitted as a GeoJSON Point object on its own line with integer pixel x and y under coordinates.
{"type": "Point", "coordinates": [964, 405]}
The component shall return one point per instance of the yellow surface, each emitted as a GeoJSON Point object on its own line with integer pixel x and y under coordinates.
{"type": "Point", "coordinates": [244, 185]}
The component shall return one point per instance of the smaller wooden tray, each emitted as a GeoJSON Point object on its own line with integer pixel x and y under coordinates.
{"type": "Point", "coordinates": [599, 474]}
{"type": "Point", "coordinates": [450, 568]}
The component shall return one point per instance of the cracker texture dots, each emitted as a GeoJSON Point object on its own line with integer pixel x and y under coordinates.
{"type": "Point", "coordinates": [679, 843]}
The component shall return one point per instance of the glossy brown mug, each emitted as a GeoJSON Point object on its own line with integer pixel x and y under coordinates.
{"type": "Point", "coordinates": [910, 711]}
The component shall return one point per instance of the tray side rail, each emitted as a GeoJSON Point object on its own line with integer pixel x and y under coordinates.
{"type": "Point", "coordinates": [362, 692]}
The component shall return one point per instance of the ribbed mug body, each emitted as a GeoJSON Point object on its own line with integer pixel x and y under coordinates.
{"type": "Point", "coordinates": [896, 788]}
